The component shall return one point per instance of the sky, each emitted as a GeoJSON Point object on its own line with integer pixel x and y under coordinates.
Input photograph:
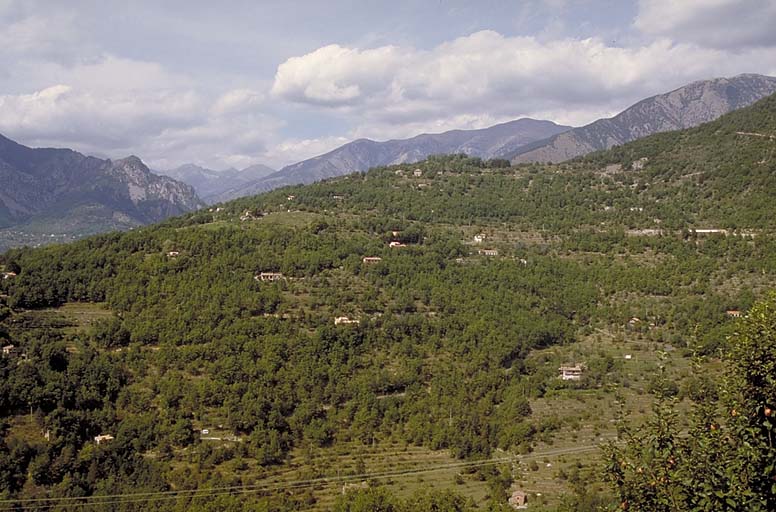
{"type": "Point", "coordinates": [235, 83]}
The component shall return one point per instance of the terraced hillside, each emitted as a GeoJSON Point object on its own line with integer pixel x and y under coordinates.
{"type": "Point", "coordinates": [395, 334]}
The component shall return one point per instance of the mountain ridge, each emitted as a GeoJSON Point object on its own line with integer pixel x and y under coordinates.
{"type": "Point", "coordinates": [61, 191]}
{"type": "Point", "coordinates": [684, 107]}
{"type": "Point", "coordinates": [209, 183]}
{"type": "Point", "coordinates": [362, 154]}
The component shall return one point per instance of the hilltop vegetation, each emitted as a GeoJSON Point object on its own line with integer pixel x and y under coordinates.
{"type": "Point", "coordinates": [455, 349]}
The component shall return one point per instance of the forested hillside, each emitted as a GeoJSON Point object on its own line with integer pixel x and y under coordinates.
{"type": "Point", "coordinates": [266, 353]}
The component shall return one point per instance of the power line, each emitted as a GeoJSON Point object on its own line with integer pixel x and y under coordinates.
{"type": "Point", "coordinates": [115, 499]}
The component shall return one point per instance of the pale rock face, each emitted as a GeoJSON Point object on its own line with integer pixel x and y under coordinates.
{"type": "Point", "coordinates": [686, 107]}
{"type": "Point", "coordinates": [143, 185]}
{"type": "Point", "coordinates": [136, 193]}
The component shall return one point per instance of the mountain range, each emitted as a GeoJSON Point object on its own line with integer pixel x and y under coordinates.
{"type": "Point", "coordinates": [498, 141]}
{"type": "Point", "coordinates": [209, 184]}
{"type": "Point", "coordinates": [62, 192]}
{"type": "Point", "coordinates": [528, 140]}
{"type": "Point", "coordinates": [686, 107]}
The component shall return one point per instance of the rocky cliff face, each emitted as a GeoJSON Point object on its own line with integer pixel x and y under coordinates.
{"type": "Point", "coordinates": [494, 142]}
{"type": "Point", "coordinates": [62, 192]}
{"type": "Point", "coordinates": [143, 187]}
{"type": "Point", "coordinates": [688, 106]}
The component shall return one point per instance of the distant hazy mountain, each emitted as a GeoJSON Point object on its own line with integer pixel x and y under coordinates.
{"type": "Point", "coordinates": [495, 142]}
{"type": "Point", "coordinates": [62, 192]}
{"type": "Point", "coordinates": [688, 106]}
{"type": "Point", "coordinates": [209, 183]}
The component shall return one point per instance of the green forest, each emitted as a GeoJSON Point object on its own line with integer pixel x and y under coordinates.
{"type": "Point", "coordinates": [222, 389]}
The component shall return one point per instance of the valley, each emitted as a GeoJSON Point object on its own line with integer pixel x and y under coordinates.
{"type": "Point", "coordinates": [405, 328]}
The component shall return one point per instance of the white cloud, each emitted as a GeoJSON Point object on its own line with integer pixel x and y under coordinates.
{"type": "Point", "coordinates": [86, 118]}
{"type": "Point", "coordinates": [715, 23]}
{"type": "Point", "coordinates": [66, 80]}
{"type": "Point", "coordinates": [35, 35]}
{"type": "Point", "coordinates": [336, 76]}
{"type": "Point", "coordinates": [237, 100]}
{"type": "Point", "coordinates": [294, 150]}
{"type": "Point", "coordinates": [113, 106]}
{"type": "Point", "coordinates": [488, 75]}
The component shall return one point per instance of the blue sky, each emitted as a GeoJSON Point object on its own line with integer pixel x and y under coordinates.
{"type": "Point", "coordinates": [235, 83]}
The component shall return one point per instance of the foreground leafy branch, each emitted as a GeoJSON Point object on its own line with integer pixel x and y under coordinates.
{"type": "Point", "coordinates": [727, 459]}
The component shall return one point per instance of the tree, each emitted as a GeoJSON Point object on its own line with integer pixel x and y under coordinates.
{"type": "Point", "coordinates": [728, 459]}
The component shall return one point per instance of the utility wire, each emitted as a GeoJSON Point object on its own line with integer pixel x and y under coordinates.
{"type": "Point", "coordinates": [115, 499]}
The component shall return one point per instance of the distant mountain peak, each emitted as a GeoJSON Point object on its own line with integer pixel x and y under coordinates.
{"type": "Point", "coordinates": [209, 183]}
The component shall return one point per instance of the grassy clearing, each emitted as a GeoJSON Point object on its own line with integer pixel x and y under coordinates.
{"type": "Point", "coordinates": [292, 219]}
{"type": "Point", "coordinates": [84, 314]}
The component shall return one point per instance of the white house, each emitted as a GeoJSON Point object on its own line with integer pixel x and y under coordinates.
{"type": "Point", "coordinates": [269, 276]}
{"type": "Point", "coordinates": [571, 372]}
{"type": "Point", "coordinates": [345, 320]}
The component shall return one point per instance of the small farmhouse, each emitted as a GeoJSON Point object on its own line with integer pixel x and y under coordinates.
{"type": "Point", "coordinates": [571, 372]}
{"type": "Point", "coordinates": [345, 320]}
{"type": "Point", "coordinates": [518, 500]}
{"type": "Point", "coordinates": [733, 313]}
{"type": "Point", "coordinates": [488, 252]}
{"type": "Point", "coordinates": [9, 275]}
{"type": "Point", "coordinates": [417, 173]}
{"type": "Point", "coordinates": [103, 438]}
{"type": "Point", "coordinates": [269, 276]}
{"type": "Point", "coordinates": [371, 259]}
{"type": "Point", "coordinates": [250, 215]}
{"type": "Point", "coordinates": [396, 244]}
{"type": "Point", "coordinates": [714, 231]}
{"type": "Point", "coordinates": [478, 239]}
{"type": "Point", "coordinates": [10, 351]}
{"type": "Point", "coordinates": [173, 254]}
